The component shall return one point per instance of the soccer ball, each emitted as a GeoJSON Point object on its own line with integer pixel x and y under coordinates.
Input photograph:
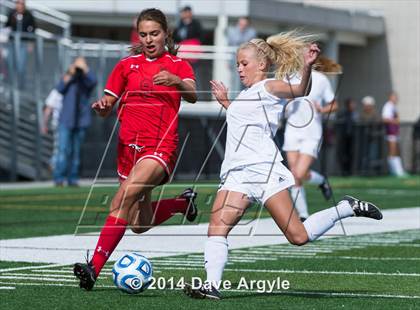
{"type": "Point", "coordinates": [132, 273]}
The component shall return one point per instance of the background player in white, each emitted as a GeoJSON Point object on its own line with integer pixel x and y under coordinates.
{"type": "Point", "coordinates": [392, 127]}
{"type": "Point", "coordinates": [303, 134]}
{"type": "Point", "coordinates": [252, 168]}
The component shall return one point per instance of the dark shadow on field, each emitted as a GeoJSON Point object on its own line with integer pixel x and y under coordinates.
{"type": "Point", "coordinates": [120, 293]}
{"type": "Point", "coordinates": [302, 293]}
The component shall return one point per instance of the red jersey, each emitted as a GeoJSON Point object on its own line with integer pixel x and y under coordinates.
{"type": "Point", "coordinates": [148, 113]}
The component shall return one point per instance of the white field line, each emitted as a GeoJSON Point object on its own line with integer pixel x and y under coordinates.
{"type": "Point", "coordinates": [398, 274]}
{"type": "Point", "coordinates": [7, 287]}
{"type": "Point", "coordinates": [279, 257]}
{"type": "Point", "coordinates": [51, 272]}
{"type": "Point", "coordinates": [335, 294]}
{"type": "Point", "coordinates": [35, 279]}
{"type": "Point", "coordinates": [32, 267]}
{"type": "Point", "coordinates": [242, 291]}
{"type": "Point", "coordinates": [382, 244]}
{"type": "Point", "coordinates": [51, 284]}
{"type": "Point", "coordinates": [289, 251]}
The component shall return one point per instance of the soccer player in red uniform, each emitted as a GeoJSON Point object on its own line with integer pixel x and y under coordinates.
{"type": "Point", "coordinates": [149, 85]}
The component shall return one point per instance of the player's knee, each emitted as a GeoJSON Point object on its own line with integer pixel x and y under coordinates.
{"type": "Point", "coordinates": [131, 193]}
{"type": "Point", "coordinates": [298, 239]}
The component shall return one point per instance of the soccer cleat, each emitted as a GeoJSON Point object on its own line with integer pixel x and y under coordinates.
{"type": "Point", "coordinates": [192, 210]}
{"type": "Point", "coordinates": [86, 274]}
{"type": "Point", "coordinates": [302, 219]}
{"type": "Point", "coordinates": [363, 208]}
{"type": "Point", "coordinates": [326, 190]}
{"type": "Point", "coordinates": [202, 292]}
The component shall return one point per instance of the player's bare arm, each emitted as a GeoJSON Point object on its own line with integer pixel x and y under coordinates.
{"type": "Point", "coordinates": [104, 105]}
{"type": "Point", "coordinates": [219, 90]}
{"type": "Point", "coordinates": [186, 87]}
{"type": "Point", "coordinates": [285, 90]}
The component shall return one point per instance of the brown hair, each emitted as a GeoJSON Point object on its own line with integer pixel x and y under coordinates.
{"type": "Point", "coordinates": [157, 16]}
{"type": "Point", "coordinates": [327, 65]}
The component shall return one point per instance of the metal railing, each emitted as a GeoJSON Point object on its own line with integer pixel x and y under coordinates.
{"type": "Point", "coordinates": [32, 64]}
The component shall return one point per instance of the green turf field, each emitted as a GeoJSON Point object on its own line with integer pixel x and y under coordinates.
{"type": "Point", "coordinates": [376, 271]}
{"type": "Point", "coordinates": [53, 211]}
{"type": "Point", "coordinates": [380, 274]}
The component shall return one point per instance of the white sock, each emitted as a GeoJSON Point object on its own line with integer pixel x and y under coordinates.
{"type": "Point", "coordinates": [299, 200]}
{"type": "Point", "coordinates": [393, 165]}
{"type": "Point", "coordinates": [399, 170]}
{"type": "Point", "coordinates": [215, 258]}
{"type": "Point", "coordinates": [315, 178]}
{"type": "Point", "coordinates": [320, 222]}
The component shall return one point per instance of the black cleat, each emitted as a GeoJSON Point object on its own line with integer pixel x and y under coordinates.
{"type": "Point", "coordinates": [86, 274]}
{"type": "Point", "coordinates": [302, 219]}
{"type": "Point", "coordinates": [192, 210]}
{"type": "Point", "coordinates": [326, 190]}
{"type": "Point", "coordinates": [202, 292]}
{"type": "Point", "coordinates": [363, 208]}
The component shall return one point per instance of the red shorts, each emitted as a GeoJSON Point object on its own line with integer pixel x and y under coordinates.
{"type": "Point", "coordinates": [130, 155]}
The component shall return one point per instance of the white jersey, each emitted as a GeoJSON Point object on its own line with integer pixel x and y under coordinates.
{"type": "Point", "coordinates": [389, 110]}
{"type": "Point", "coordinates": [55, 102]}
{"type": "Point", "coordinates": [303, 119]}
{"type": "Point", "coordinates": [252, 121]}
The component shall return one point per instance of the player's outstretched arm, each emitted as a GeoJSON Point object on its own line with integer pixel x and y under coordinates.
{"type": "Point", "coordinates": [285, 90]}
{"type": "Point", "coordinates": [219, 90]}
{"type": "Point", "coordinates": [104, 105]}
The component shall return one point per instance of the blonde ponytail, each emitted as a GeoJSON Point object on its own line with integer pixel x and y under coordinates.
{"type": "Point", "coordinates": [288, 48]}
{"type": "Point", "coordinates": [284, 51]}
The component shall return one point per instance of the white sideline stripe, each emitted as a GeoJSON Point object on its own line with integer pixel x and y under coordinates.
{"type": "Point", "coordinates": [334, 294]}
{"type": "Point", "coordinates": [190, 239]}
{"type": "Point", "coordinates": [310, 272]}
{"type": "Point", "coordinates": [32, 267]}
{"type": "Point", "coordinates": [7, 287]}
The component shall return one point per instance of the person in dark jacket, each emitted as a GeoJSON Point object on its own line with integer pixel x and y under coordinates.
{"type": "Point", "coordinates": [75, 118]}
{"type": "Point", "coordinates": [188, 27]}
{"type": "Point", "coordinates": [20, 20]}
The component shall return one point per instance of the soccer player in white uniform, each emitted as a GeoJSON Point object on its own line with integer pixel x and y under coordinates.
{"type": "Point", "coordinates": [303, 137]}
{"type": "Point", "coordinates": [392, 127]}
{"type": "Point", "coordinates": [252, 169]}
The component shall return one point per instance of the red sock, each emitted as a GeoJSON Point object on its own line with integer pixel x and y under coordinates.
{"type": "Point", "coordinates": [111, 234]}
{"type": "Point", "coordinates": [166, 208]}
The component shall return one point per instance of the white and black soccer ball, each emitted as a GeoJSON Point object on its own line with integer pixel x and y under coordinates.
{"type": "Point", "coordinates": [132, 273]}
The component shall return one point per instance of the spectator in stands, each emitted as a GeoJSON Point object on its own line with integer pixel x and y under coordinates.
{"type": "Point", "coordinates": [240, 33]}
{"type": "Point", "coordinates": [369, 113]}
{"type": "Point", "coordinates": [189, 32]}
{"type": "Point", "coordinates": [75, 118]}
{"type": "Point", "coordinates": [188, 27]}
{"type": "Point", "coordinates": [346, 123]}
{"type": "Point", "coordinates": [20, 20]}
{"type": "Point", "coordinates": [370, 133]}
{"type": "Point", "coordinates": [392, 127]}
{"type": "Point", "coordinates": [53, 105]}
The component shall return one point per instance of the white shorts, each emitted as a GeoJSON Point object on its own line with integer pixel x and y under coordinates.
{"type": "Point", "coordinates": [258, 181]}
{"type": "Point", "coordinates": [392, 138]}
{"type": "Point", "coordinates": [301, 144]}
